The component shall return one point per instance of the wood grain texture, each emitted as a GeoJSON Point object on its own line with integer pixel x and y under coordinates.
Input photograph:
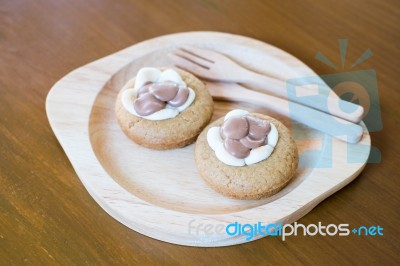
{"type": "Point", "coordinates": [47, 215]}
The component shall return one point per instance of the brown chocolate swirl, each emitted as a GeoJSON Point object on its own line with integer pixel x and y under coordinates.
{"type": "Point", "coordinates": [153, 97]}
{"type": "Point", "coordinates": [241, 134]}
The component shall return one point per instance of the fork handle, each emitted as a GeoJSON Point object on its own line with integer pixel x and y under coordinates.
{"type": "Point", "coordinates": [331, 103]}
{"type": "Point", "coordinates": [334, 126]}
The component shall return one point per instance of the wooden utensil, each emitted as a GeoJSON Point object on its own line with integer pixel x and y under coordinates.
{"type": "Point", "coordinates": [315, 119]}
{"type": "Point", "coordinates": [218, 67]}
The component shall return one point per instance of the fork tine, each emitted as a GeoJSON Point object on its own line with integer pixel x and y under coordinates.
{"type": "Point", "coordinates": [188, 65]}
{"type": "Point", "coordinates": [202, 53]}
{"type": "Point", "coordinates": [192, 57]}
{"type": "Point", "coordinates": [198, 52]}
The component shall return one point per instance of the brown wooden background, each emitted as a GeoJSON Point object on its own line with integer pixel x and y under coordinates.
{"type": "Point", "coordinates": [46, 215]}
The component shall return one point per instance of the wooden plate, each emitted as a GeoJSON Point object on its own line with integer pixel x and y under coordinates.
{"type": "Point", "coordinates": [160, 193]}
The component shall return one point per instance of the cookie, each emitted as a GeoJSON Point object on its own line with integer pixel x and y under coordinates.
{"type": "Point", "coordinates": [252, 173]}
{"type": "Point", "coordinates": [163, 108]}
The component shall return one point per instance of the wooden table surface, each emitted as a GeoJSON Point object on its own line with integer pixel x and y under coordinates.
{"type": "Point", "coordinates": [47, 216]}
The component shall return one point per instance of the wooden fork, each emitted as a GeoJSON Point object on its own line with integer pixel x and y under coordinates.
{"type": "Point", "coordinates": [214, 66]}
{"type": "Point", "coordinates": [334, 126]}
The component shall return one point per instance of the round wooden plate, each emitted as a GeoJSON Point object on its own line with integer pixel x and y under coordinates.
{"type": "Point", "coordinates": [160, 193]}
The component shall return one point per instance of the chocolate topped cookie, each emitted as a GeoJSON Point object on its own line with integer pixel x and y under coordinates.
{"type": "Point", "coordinates": [246, 156]}
{"type": "Point", "coordinates": [163, 108]}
